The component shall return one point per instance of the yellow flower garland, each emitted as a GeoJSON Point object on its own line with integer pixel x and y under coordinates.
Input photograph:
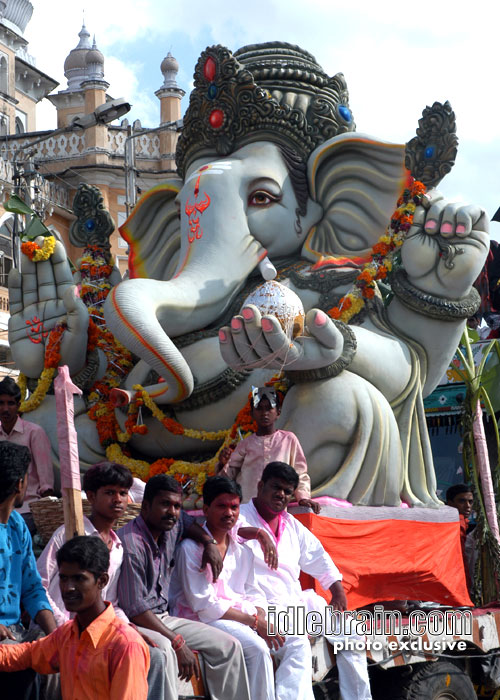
{"type": "Point", "coordinates": [36, 253]}
{"type": "Point", "coordinates": [187, 432]}
{"type": "Point", "coordinates": [40, 392]}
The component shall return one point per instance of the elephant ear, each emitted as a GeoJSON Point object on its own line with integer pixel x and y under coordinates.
{"type": "Point", "coordinates": [153, 233]}
{"type": "Point", "coordinates": [357, 180]}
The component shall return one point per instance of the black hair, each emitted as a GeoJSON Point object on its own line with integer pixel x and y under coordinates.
{"type": "Point", "coordinates": [9, 387]}
{"type": "Point", "coordinates": [14, 463]}
{"type": "Point", "coordinates": [89, 552]}
{"type": "Point", "coordinates": [160, 482]}
{"type": "Point", "coordinates": [456, 489]}
{"type": "Point", "coordinates": [216, 485]}
{"type": "Point", "coordinates": [280, 470]}
{"type": "Point", "coordinates": [106, 474]}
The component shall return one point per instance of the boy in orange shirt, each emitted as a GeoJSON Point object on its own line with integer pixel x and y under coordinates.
{"type": "Point", "coordinates": [98, 656]}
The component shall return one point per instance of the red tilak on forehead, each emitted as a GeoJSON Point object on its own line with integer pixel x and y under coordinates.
{"type": "Point", "coordinates": [197, 186]}
{"type": "Point", "coordinates": [195, 230]}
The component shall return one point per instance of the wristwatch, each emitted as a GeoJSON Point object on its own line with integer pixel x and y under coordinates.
{"type": "Point", "coordinates": [212, 541]}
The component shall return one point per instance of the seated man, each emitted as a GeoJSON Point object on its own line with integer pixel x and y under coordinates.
{"type": "Point", "coordinates": [20, 582]}
{"type": "Point", "coordinates": [298, 549]}
{"type": "Point", "coordinates": [225, 604]}
{"type": "Point", "coordinates": [97, 655]}
{"type": "Point", "coordinates": [15, 429]}
{"type": "Point", "coordinates": [149, 542]}
{"type": "Point", "coordinates": [107, 487]}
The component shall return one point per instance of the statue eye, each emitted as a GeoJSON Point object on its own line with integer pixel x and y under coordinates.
{"type": "Point", "coordinates": [262, 198]}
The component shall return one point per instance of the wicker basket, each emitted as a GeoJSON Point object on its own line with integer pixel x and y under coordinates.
{"type": "Point", "coordinates": [48, 515]}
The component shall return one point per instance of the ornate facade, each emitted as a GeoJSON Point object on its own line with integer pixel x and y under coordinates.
{"type": "Point", "coordinates": [122, 160]}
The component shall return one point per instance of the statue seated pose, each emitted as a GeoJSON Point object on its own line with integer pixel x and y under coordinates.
{"type": "Point", "coordinates": [275, 181]}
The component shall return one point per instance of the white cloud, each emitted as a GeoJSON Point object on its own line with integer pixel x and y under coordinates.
{"type": "Point", "coordinates": [397, 58]}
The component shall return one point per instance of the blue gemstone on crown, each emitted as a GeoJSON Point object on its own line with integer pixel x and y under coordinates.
{"type": "Point", "coordinates": [429, 152]}
{"type": "Point", "coordinates": [90, 224]}
{"type": "Point", "coordinates": [345, 113]}
{"type": "Point", "coordinates": [212, 91]}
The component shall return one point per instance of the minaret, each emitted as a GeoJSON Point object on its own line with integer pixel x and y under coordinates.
{"type": "Point", "coordinates": [170, 95]}
{"type": "Point", "coordinates": [94, 86]}
{"type": "Point", "coordinates": [70, 103]}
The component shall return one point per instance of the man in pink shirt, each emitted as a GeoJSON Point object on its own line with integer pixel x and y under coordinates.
{"type": "Point", "coordinates": [14, 429]}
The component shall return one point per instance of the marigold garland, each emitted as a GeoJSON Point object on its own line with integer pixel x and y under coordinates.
{"type": "Point", "coordinates": [382, 254]}
{"type": "Point", "coordinates": [96, 266]}
{"type": "Point", "coordinates": [51, 361]}
{"type": "Point", "coordinates": [38, 253]}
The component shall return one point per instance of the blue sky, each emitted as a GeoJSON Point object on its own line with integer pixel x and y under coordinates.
{"type": "Point", "coordinates": [397, 58]}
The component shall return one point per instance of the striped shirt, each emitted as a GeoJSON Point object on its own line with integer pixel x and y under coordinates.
{"type": "Point", "coordinates": [147, 566]}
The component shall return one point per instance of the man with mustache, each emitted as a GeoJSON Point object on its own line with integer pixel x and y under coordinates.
{"type": "Point", "coordinates": [98, 656]}
{"type": "Point", "coordinates": [149, 543]}
{"type": "Point", "coordinates": [15, 429]}
{"type": "Point", "coordinates": [231, 603]}
{"type": "Point", "coordinates": [299, 550]}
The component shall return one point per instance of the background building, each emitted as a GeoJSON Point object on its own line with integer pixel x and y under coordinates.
{"type": "Point", "coordinates": [122, 159]}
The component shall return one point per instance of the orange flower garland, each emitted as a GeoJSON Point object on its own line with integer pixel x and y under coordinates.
{"type": "Point", "coordinates": [51, 362]}
{"type": "Point", "coordinates": [382, 254]}
{"type": "Point", "coordinates": [38, 253]}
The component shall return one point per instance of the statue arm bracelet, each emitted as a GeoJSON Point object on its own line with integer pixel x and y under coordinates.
{"type": "Point", "coordinates": [335, 368]}
{"type": "Point", "coordinates": [431, 306]}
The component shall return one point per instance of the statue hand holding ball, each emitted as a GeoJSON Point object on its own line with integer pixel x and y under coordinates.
{"type": "Point", "coordinates": [268, 333]}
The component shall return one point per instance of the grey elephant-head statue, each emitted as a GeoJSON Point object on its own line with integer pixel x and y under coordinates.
{"type": "Point", "coordinates": [270, 167]}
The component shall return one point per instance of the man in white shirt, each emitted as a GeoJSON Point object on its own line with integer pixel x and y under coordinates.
{"type": "Point", "coordinates": [233, 604]}
{"type": "Point", "coordinates": [298, 549]}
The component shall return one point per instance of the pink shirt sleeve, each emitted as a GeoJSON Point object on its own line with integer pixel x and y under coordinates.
{"type": "Point", "coordinates": [233, 467]}
{"type": "Point", "coordinates": [298, 462]}
{"type": "Point", "coordinates": [41, 457]}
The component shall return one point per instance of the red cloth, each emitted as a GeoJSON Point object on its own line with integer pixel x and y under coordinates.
{"type": "Point", "coordinates": [392, 559]}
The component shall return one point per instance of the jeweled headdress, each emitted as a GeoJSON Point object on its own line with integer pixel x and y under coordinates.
{"type": "Point", "coordinates": [272, 91]}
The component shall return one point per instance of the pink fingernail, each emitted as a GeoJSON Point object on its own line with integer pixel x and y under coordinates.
{"type": "Point", "coordinates": [430, 224]}
{"type": "Point", "coordinates": [460, 228]}
{"type": "Point", "coordinates": [321, 319]}
{"type": "Point", "coordinates": [446, 228]}
{"type": "Point", "coordinates": [222, 336]}
{"type": "Point", "coordinates": [235, 324]}
{"type": "Point", "coordinates": [247, 314]}
{"type": "Point", "coordinates": [267, 325]}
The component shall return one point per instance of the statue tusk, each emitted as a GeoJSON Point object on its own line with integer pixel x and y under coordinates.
{"type": "Point", "coordinates": [267, 269]}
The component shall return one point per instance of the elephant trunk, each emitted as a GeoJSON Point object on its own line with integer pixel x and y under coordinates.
{"type": "Point", "coordinates": [216, 256]}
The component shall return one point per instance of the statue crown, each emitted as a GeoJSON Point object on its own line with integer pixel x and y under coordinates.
{"type": "Point", "coordinates": [272, 91]}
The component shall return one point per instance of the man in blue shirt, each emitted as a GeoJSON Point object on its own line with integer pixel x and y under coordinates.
{"type": "Point", "coordinates": [20, 582]}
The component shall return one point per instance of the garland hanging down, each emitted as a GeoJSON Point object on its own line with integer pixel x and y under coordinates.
{"type": "Point", "coordinates": [96, 266]}
{"type": "Point", "coordinates": [382, 254]}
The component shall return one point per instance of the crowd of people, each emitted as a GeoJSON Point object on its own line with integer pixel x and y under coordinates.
{"type": "Point", "coordinates": [124, 614]}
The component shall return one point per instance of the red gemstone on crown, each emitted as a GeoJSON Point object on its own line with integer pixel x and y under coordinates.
{"type": "Point", "coordinates": [216, 118]}
{"type": "Point", "coordinates": [209, 69]}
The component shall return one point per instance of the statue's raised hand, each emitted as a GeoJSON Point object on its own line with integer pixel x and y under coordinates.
{"type": "Point", "coordinates": [40, 297]}
{"type": "Point", "coordinates": [446, 247]}
{"type": "Point", "coordinates": [254, 341]}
